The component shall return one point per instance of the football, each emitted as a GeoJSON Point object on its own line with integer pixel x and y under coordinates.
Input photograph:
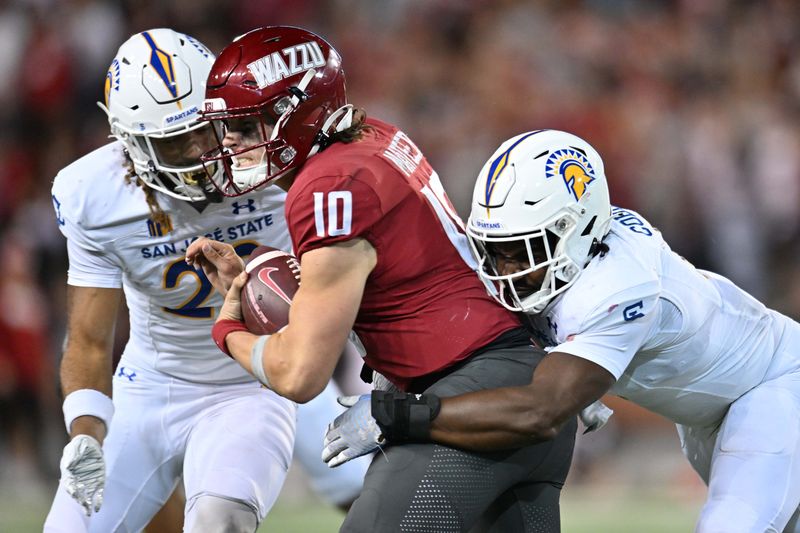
{"type": "Point", "coordinates": [273, 277]}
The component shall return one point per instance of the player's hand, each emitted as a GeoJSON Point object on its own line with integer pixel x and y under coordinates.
{"type": "Point", "coordinates": [218, 261]}
{"type": "Point", "coordinates": [595, 416]}
{"type": "Point", "coordinates": [83, 472]}
{"type": "Point", "coordinates": [232, 306]}
{"type": "Point", "coordinates": [353, 433]}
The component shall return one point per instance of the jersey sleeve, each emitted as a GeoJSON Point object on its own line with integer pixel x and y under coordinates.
{"type": "Point", "coordinates": [89, 264]}
{"type": "Point", "coordinates": [615, 330]}
{"type": "Point", "coordinates": [332, 209]}
{"type": "Point", "coordinates": [88, 268]}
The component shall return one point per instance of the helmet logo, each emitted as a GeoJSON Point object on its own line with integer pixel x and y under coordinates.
{"type": "Point", "coordinates": [214, 104]}
{"type": "Point", "coordinates": [112, 80]}
{"type": "Point", "coordinates": [162, 64]}
{"type": "Point", "coordinates": [574, 168]}
{"type": "Point", "coordinates": [499, 164]}
{"type": "Point", "coordinates": [273, 68]}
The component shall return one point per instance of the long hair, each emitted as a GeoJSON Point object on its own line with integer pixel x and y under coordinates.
{"type": "Point", "coordinates": [132, 178]}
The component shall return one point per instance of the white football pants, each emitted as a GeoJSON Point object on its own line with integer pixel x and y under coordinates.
{"type": "Point", "coordinates": [232, 441]}
{"type": "Point", "coordinates": [751, 463]}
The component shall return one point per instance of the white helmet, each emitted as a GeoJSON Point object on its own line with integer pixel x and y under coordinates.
{"type": "Point", "coordinates": [154, 91]}
{"type": "Point", "coordinates": [541, 201]}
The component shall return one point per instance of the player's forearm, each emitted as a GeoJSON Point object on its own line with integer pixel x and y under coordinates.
{"type": "Point", "coordinates": [299, 369]}
{"type": "Point", "coordinates": [291, 370]}
{"type": "Point", "coordinates": [240, 345]}
{"type": "Point", "coordinates": [92, 316]}
{"type": "Point", "coordinates": [86, 365]}
{"type": "Point", "coordinates": [496, 419]}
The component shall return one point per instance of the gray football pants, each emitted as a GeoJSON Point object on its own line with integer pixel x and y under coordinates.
{"type": "Point", "coordinates": [431, 488]}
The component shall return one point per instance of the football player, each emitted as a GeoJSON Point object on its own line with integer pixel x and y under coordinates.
{"type": "Point", "coordinates": [129, 210]}
{"type": "Point", "coordinates": [382, 251]}
{"type": "Point", "coordinates": [623, 314]}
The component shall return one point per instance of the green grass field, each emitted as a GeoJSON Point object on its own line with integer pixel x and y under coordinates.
{"type": "Point", "coordinates": [585, 510]}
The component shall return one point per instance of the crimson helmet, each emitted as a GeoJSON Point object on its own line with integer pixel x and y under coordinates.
{"type": "Point", "coordinates": [287, 81]}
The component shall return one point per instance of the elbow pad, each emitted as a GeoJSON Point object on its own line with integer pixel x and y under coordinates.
{"type": "Point", "coordinates": [405, 417]}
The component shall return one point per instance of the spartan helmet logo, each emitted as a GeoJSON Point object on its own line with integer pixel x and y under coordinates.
{"type": "Point", "coordinates": [112, 80]}
{"type": "Point", "coordinates": [574, 168]}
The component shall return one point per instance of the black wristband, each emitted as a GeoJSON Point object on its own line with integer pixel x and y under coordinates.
{"type": "Point", "coordinates": [405, 417]}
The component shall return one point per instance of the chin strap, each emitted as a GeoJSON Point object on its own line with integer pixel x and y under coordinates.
{"type": "Point", "coordinates": [340, 120]}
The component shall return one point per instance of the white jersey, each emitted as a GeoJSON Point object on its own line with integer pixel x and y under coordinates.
{"type": "Point", "coordinates": [113, 242]}
{"type": "Point", "coordinates": [681, 342]}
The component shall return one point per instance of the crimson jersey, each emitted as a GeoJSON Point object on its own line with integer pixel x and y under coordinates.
{"type": "Point", "coordinates": [423, 308]}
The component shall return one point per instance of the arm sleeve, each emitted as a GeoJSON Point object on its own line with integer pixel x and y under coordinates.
{"type": "Point", "coordinates": [614, 331]}
{"type": "Point", "coordinates": [329, 210]}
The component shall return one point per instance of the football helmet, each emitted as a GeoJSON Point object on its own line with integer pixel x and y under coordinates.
{"type": "Point", "coordinates": [154, 90]}
{"type": "Point", "coordinates": [539, 209]}
{"type": "Point", "coordinates": [289, 84]}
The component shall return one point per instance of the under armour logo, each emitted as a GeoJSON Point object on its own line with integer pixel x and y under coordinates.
{"type": "Point", "coordinates": [552, 325]}
{"type": "Point", "coordinates": [250, 206]}
{"type": "Point", "coordinates": [126, 374]}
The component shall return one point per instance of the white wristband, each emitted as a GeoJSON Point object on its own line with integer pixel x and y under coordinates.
{"type": "Point", "coordinates": [87, 402]}
{"type": "Point", "coordinates": [257, 360]}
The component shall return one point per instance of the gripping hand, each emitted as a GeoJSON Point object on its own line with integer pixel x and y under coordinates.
{"type": "Point", "coordinates": [595, 416]}
{"type": "Point", "coordinates": [353, 433]}
{"type": "Point", "coordinates": [83, 472]}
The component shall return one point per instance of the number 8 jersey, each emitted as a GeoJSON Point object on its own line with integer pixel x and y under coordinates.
{"type": "Point", "coordinates": [423, 307]}
{"type": "Point", "coordinates": [114, 242]}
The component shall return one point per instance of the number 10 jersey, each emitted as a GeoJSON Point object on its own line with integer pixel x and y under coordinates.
{"type": "Point", "coordinates": [424, 308]}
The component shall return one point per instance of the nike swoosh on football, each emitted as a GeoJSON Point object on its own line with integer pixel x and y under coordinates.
{"type": "Point", "coordinates": [265, 275]}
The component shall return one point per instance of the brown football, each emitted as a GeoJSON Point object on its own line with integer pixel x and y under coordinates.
{"type": "Point", "coordinates": [273, 277]}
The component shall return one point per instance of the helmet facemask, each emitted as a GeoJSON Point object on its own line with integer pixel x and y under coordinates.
{"type": "Point", "coordinates": [169, 161]}
{"type": "Point", "coordinates": [541, 251]}
{"type": "Point", "coordinates": [246, 166]}
{"type": "Point", "coordinates": [264, 155]}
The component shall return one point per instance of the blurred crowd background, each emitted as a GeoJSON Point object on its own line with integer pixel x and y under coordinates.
{"type": "Point", "coordinates": [693, 104]}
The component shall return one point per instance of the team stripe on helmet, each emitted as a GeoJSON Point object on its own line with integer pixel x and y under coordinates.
{"type": "Point", "coordinates": [500, 163]}
{"type": "Point", "coordinates": [162, 64]}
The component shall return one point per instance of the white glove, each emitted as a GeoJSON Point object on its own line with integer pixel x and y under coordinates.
{"type": "Point", "coordinates": [353, 433]}
{"type": "Point", "coordinates": [595, 416]}
{"type": "Point", "coordinates": [83, 472]}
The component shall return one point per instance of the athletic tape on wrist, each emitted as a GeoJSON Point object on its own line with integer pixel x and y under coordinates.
{"type": "Point", "coordinates": [87, 402]}
{"type": "Point", "coordinates": [257, 360]}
